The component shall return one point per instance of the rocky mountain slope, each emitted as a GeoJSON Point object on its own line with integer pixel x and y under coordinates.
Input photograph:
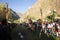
{"type": "Point", "coordinates": [47, 6]}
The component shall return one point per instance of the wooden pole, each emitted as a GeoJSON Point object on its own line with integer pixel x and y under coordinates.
{"type": "Point", "coordinates": [41, 12]}
{"type": "Point", "coordinates": [41, 15]}
{"type": "Point", "coordinates": [7, 12]}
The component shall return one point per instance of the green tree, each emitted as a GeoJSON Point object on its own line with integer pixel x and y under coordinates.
{"type": "Point", "coordinates": [51, 17]}
{"type": "Point", "coordinates": [3, 14]}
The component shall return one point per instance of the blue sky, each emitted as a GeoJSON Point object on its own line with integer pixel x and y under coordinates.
{"type": "Point", "coordinates": [19, 5]}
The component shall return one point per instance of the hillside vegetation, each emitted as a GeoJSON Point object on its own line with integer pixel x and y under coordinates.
{"type": "Point", "coordinates": [12, 14]}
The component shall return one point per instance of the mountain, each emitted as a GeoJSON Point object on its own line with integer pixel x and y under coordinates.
{"type": "Point", "coordinates": [15, 16]}
{"type": "Point", "coordinates": [47, 6]}
{"type": "Point", "coordinates": [19, 14]}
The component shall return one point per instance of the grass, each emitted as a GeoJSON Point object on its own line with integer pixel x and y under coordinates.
{"type": "Point", "coordinates": [31, 35]}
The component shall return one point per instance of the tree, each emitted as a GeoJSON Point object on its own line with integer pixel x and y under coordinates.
{"type": "Point", "coordinates": [3, 13]}
{"type": "Point", "coordinates": [51, 17]}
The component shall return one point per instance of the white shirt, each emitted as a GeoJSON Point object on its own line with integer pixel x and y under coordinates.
{"type": "Point", "coordinates": [50, 25]}
{"type": "Point", "coordinates": [43, 26]}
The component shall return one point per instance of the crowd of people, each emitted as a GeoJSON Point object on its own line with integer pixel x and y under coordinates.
{"type": "Point", "coordinates": [46, 27]}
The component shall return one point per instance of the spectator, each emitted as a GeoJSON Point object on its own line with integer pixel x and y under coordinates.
{"type": "Point", "coordinates": [39, 25]}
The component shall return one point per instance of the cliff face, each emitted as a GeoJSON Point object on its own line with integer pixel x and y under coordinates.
{"type": "Point", "coordinates": [47, 7]}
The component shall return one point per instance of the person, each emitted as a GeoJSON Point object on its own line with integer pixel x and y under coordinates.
{"type": "Point", "coordinates": [39, 25]}
{"type": "Point", "coordinates": [5, 32]}
{"type": "Point", "coordinates": [59, 29]}
{"type": "Point", "coordinates": [45, 27]}
{"type": "Point", "coordinates": [58, 26]}
{"type": "Point", "coordinates": [30, 25]}
{"type": "Point", "coordinates": [56, 29]}
{"type": "Point", "coordinates": [50, 26]}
